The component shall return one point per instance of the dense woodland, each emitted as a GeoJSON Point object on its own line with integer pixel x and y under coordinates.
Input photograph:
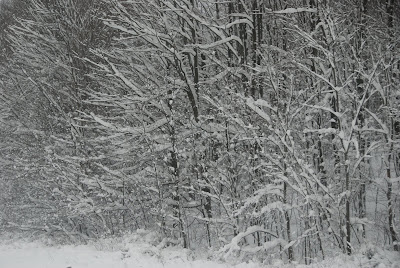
{"type": "Point", "coordinates": [258, 128]}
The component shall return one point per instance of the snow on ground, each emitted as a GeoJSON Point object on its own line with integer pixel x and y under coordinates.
{"type": "Point", "coordinates": [34, 255]}
{"type": "Point", "coordinates": [108, 253]}
{"type": "Point", "coordinates": [131, 252]}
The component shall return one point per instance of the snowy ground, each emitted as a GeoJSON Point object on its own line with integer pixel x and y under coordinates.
{"type": "Point", "coordinates": [109, 253]}
{"type": "Point", "coordinates": [136, 253]}
{"type": "Point", "coordinates": [37, 256]}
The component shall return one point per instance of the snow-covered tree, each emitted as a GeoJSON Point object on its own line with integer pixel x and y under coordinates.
{"type": "Point", "coordinates": [251, 126]}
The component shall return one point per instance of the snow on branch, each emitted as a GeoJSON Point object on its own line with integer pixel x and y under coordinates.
{"type": "Point", "coordinates": [252, 105]}
{"type": "Point", "coordinates": [293, 10]}
{"type": "Point", "coordinates": [230, 248]}
{"type": "Point", "coordinates": [220, 42]}
{"type": "Point", "coordinates": [131, 130]}
{"type": "Point", "coordinates": [239, 21]}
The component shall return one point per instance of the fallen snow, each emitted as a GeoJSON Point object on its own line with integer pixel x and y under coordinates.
{"type": "Point", "coordinates": [135, 255]}
{"type": "Point", "coordinates": [33, 255]}
{"type": "Point", "coordinates": [138, 251]}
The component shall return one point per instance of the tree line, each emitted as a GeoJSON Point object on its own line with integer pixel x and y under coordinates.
{"type": "Point", "coordinates": [249, 126]}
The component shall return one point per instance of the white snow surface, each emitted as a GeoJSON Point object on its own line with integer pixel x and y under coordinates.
{"type": "Point", "coordinates": [128, 253]}
{"type": "Point", "coordinates": [139, 251]}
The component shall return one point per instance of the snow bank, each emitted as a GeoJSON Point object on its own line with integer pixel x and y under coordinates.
{"type": "Point", "coordinates": [137, 250]}
{"type": "Point", "coordinates": [145, 250]}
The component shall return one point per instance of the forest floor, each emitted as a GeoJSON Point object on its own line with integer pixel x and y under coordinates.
{"type": "Point", "coordinates": [136, 253]}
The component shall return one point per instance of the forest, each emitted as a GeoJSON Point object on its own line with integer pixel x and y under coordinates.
{"type": "Point", "coordinates": [257, 128]}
